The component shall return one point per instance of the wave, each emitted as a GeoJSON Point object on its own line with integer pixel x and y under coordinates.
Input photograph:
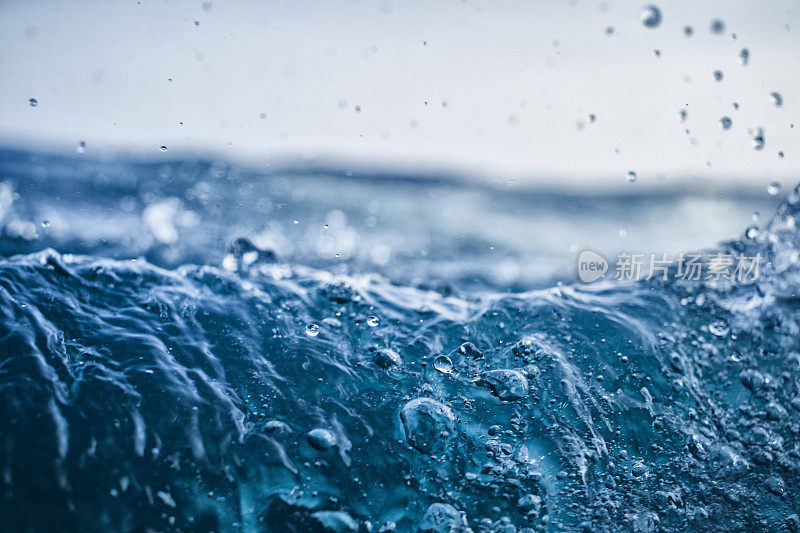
{"type": "Point", "coordinates": [266, 394]}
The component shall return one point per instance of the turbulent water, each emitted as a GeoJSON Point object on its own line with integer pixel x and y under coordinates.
{"type": "Point", "coordinates": [167, 364]}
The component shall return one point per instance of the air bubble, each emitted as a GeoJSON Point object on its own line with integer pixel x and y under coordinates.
{"type": "Point", "coordinates": [320, 439]}
{"type": "Point", "coordinates": [719, 328]}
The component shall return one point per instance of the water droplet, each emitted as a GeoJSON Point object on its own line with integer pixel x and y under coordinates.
{"type": "Point", "coordinates": [751, 232]}
{"type": "Point", "coordinates": [726, 123]}
{"type": "Point", "coordinates": [777, 99]}
{"type": "Point", "coordinates": [81, 147]}
{"type": "Point", "coordinates": [718, 75]}
{"type": "Point", "coordinates": [651, 16]}
{"type": "Point", "coordinates": [320, 439]}
{"type": "Point", "coordinates": [758, 140]}
{"type": "Point", "coordinates": [312, 330]}
{"type": "Point", "coordinates": [688, 31]}
{"type": "Point", "coordinates": [773, 188]}
{"type": "Point", "coordinates": [744, 57]}
{"type": "Point", "coordinates": [443, 364]}
{"type": "Point", "coordinates": [717, 26]}
{"type": "Point", "coordinates": [162, 148]}
{"type": "Point", "coordinates": [33, 102]}
{"type": "Point", "coordinates": [45, 223]}
{"type": "Point", "coordinates": [427, 424]}
{"type": "Point", "coordinates": [631, 176]}
{"type": "Point", "coordinates": [373, 321]}
{"type": "Point", "coordinates": [719, 328]}
{"type": "Point", "coordinates": [682, 115]}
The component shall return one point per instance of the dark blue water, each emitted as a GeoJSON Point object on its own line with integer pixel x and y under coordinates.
{"type": "Point", "coordinates": [157, 374]}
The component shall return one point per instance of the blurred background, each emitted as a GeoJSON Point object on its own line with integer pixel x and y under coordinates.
{"type": "Point", "coordinates": [612, 125]}
{"type": "Point", "coordinates": [573, 93]}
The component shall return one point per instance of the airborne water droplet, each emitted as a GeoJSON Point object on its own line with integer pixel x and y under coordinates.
{"type": "Point", "coordinates": [717, 26]}
{"type": "Point", "coordinates": [744, 57]}
{"type": "Point", "coordinates": [81, 147]}
{"type": "Point", "coordinates": [651, 16]}
{"type": "Point", "coordinates": [718, 75]}
{"type": "Point", "coordinates": [312, 330]}
{"type": "Point", "coordinates": [777, 99]}
{"type": "Point", "coordinates": [443, 364]}
{"type": "Point", "coordinates": [773, 188]}
{"type": "Point", "coordinates": [162, 148]}
{"type": "Point", "coordinates": [726, 123]}
{"type": "Point", "coordinates": [758, 140]}
{"type": "Point", "coordinates": [688, 31]}
{"type": "Point", "coordinates": [33, 102]}
{"type": "Point", "coordinates": [373, 321]}
{"type": "Point", "coordinates": [631, 176]}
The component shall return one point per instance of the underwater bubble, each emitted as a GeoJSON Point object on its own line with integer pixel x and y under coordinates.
{"type": "Point", "coordinates": [651, 16]}
{"type": "Point", "coordinates": [33, 102]}
{"type": "Point", "coordinates": [777, 99]}
{"type": "Point", "coordinates": [631, 176]}
{"type": "Point", "coordinates": [719, 328]}
{"type": "Point", "coordinates": [276, 426]}
{"type": "Point", "coordinates": [718, 75]}
{"type": "Point", "coordinates": [717, 26]}
{"type": "Point", "coordinates": [373, 321]}
{"type": "Point", "coordinates": [773, 188]}
{"type": "Point", "coordinates": [688, 31]}
{"type": "Point", "coordinates": [387, 358]}
{"type": "Point", "coordinates": [443, 364]}
{"type": "Point", "coordinates": [312, 330]}
{"type": "Point", "coordinates": [744, 57]}
{"type": "Point", "coordinates": [427, 424]}
{"type": "Point", "coordinates": [162, 148]}
{"type": "Point", "coordinates": [320, 439]}
{"type": "Point", "coordinates": [442, 518]}
{"type": "Point", "coordinates": [726, 123]}
{"type": "Point", "coordinates": [508, 385]}
{"type": "Point", "coordinates": [758, 140]}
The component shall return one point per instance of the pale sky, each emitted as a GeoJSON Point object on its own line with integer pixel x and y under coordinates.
{"type": "Point", "coordinates": [502, 90]}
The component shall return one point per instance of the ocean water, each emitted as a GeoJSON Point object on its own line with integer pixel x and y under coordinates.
{"type": "Point", "coordinates": [187, 346]}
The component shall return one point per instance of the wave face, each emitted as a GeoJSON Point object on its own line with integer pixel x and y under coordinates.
{"type": "Point", "coordinates": [251, 392]}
